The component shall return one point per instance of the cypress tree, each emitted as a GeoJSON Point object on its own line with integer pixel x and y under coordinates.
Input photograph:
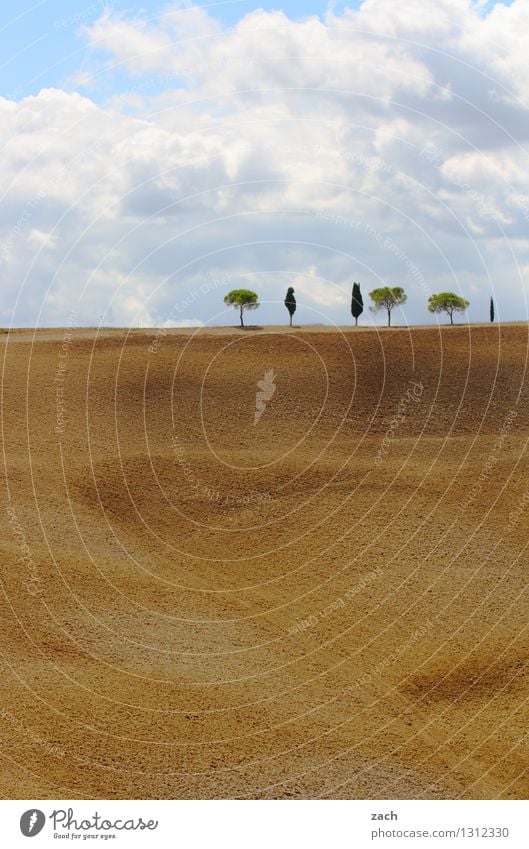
{"type": "Point", "coordinates": [491, 310]}
{"type": "Point", "coordinates": [290, 303]}
{"type": "Point", "coordinates": [357, 303]}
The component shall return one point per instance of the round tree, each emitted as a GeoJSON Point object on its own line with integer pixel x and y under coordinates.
{"type": "Point", "coordinates": [447, 302]}
{"type": "Point", "coordinates": [242, 299]}
{"type": "Point", "coordinates": [290, 303]}
{"type": "Point", "coordinates": [357, 303]}
{"type": "Point", "coordinates": [387, 298]}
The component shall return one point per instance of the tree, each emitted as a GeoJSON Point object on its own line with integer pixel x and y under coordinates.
{"type": "Point", "coordinates": [447, 302]}
{"type": "Point", "coordinates": [357, 303]}
{"type": "Point", "coordinates": [387, 298]}
{"type": "Point", "coordinates": [242, 299]}
{"type": "Point", "coordinates": [290, 303]}
{"type": "Point", "coordinates": [491, 310]}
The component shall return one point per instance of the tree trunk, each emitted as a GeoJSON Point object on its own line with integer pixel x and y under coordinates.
{"type": "Point", "coordinates": [291, 319]}
{"type": "Point", "coordinates": [356, 322]}
{"type": "Point", "coordinates": [451, 318]}
{"type": "Point", "coordinates": [242, 322]}
{"type": "Point", "coordinates": [389, 318]}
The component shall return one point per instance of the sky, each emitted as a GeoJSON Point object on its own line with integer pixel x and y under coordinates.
{"type": "Point", "coordinates": [157, 155]}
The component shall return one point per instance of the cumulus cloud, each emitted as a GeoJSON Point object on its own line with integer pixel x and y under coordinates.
{"type": "Point", "coordinates": [382, 144]}
{"type": "Point", "coordinates": [183, 322]}
{"type": "Point", "coordinates": [322, 292]}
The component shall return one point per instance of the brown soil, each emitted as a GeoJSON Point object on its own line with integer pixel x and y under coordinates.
{"type": "Point", "coordinates": [325, 602]}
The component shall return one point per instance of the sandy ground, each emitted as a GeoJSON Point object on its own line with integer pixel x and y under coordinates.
{"type": "Point", "coordinates": [326, 599]}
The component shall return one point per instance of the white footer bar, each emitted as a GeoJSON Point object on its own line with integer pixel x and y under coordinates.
{"type": "Point", "coordinates": [266, 824]}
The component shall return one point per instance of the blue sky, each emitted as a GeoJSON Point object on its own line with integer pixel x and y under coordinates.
{"type": "Point", "coordinates": [150, 150]}
{"type": "Point", "coordinates": [41, 46]}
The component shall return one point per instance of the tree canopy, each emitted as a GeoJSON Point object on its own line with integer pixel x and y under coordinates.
{"type": "Point", "coordinates": [242, 299]}
{"type": "Point", "coordinates": [447, 302]}
{"type": "Point", "coordinates": [386, 298]}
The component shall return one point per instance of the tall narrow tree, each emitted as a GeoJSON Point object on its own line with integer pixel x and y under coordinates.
{"type": "Point", "coordinates": [290, 303]}
{"type": "Point", "coordinates": [357, 303]}
{"type": "Point", "coordinates": [491, 310]}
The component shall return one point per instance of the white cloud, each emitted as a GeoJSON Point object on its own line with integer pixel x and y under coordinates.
{"type": "Point", "coordinates": [131, 45]}
{"type": "Point", "coordinates": [45, 241]}
{"type": "Point", "coordinates": [184, 322]}
{"type": "Point", "coordinates": [322, 292]}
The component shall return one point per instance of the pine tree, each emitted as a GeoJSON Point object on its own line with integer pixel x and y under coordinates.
{"type": "Point", "coordinates": [447, 302]}
{"type": "Point", "coordinates": [242, 299]}
{"type": "Point", "coordinates": [387, 298]}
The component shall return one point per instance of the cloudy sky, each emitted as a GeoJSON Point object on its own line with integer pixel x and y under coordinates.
{"type": "Point", "coordinates": [156, 155]}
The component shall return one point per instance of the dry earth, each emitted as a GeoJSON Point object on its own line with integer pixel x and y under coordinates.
{"type": "Point", "coordinates": [328, 602]}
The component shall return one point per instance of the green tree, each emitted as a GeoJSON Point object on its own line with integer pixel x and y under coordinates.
{"type": "Point", "coordinates": [447, 302]}
{"type": "Point", "coordinates": [242, 299]}
{"type": "Point", "coordinates": [290, 303]}
{"type": "Point", "coordinates": [357, 303]}
{"type": "Point", "coordinates": [491, 310]}
{"type": "Point", "coordinates": [387, 298]}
